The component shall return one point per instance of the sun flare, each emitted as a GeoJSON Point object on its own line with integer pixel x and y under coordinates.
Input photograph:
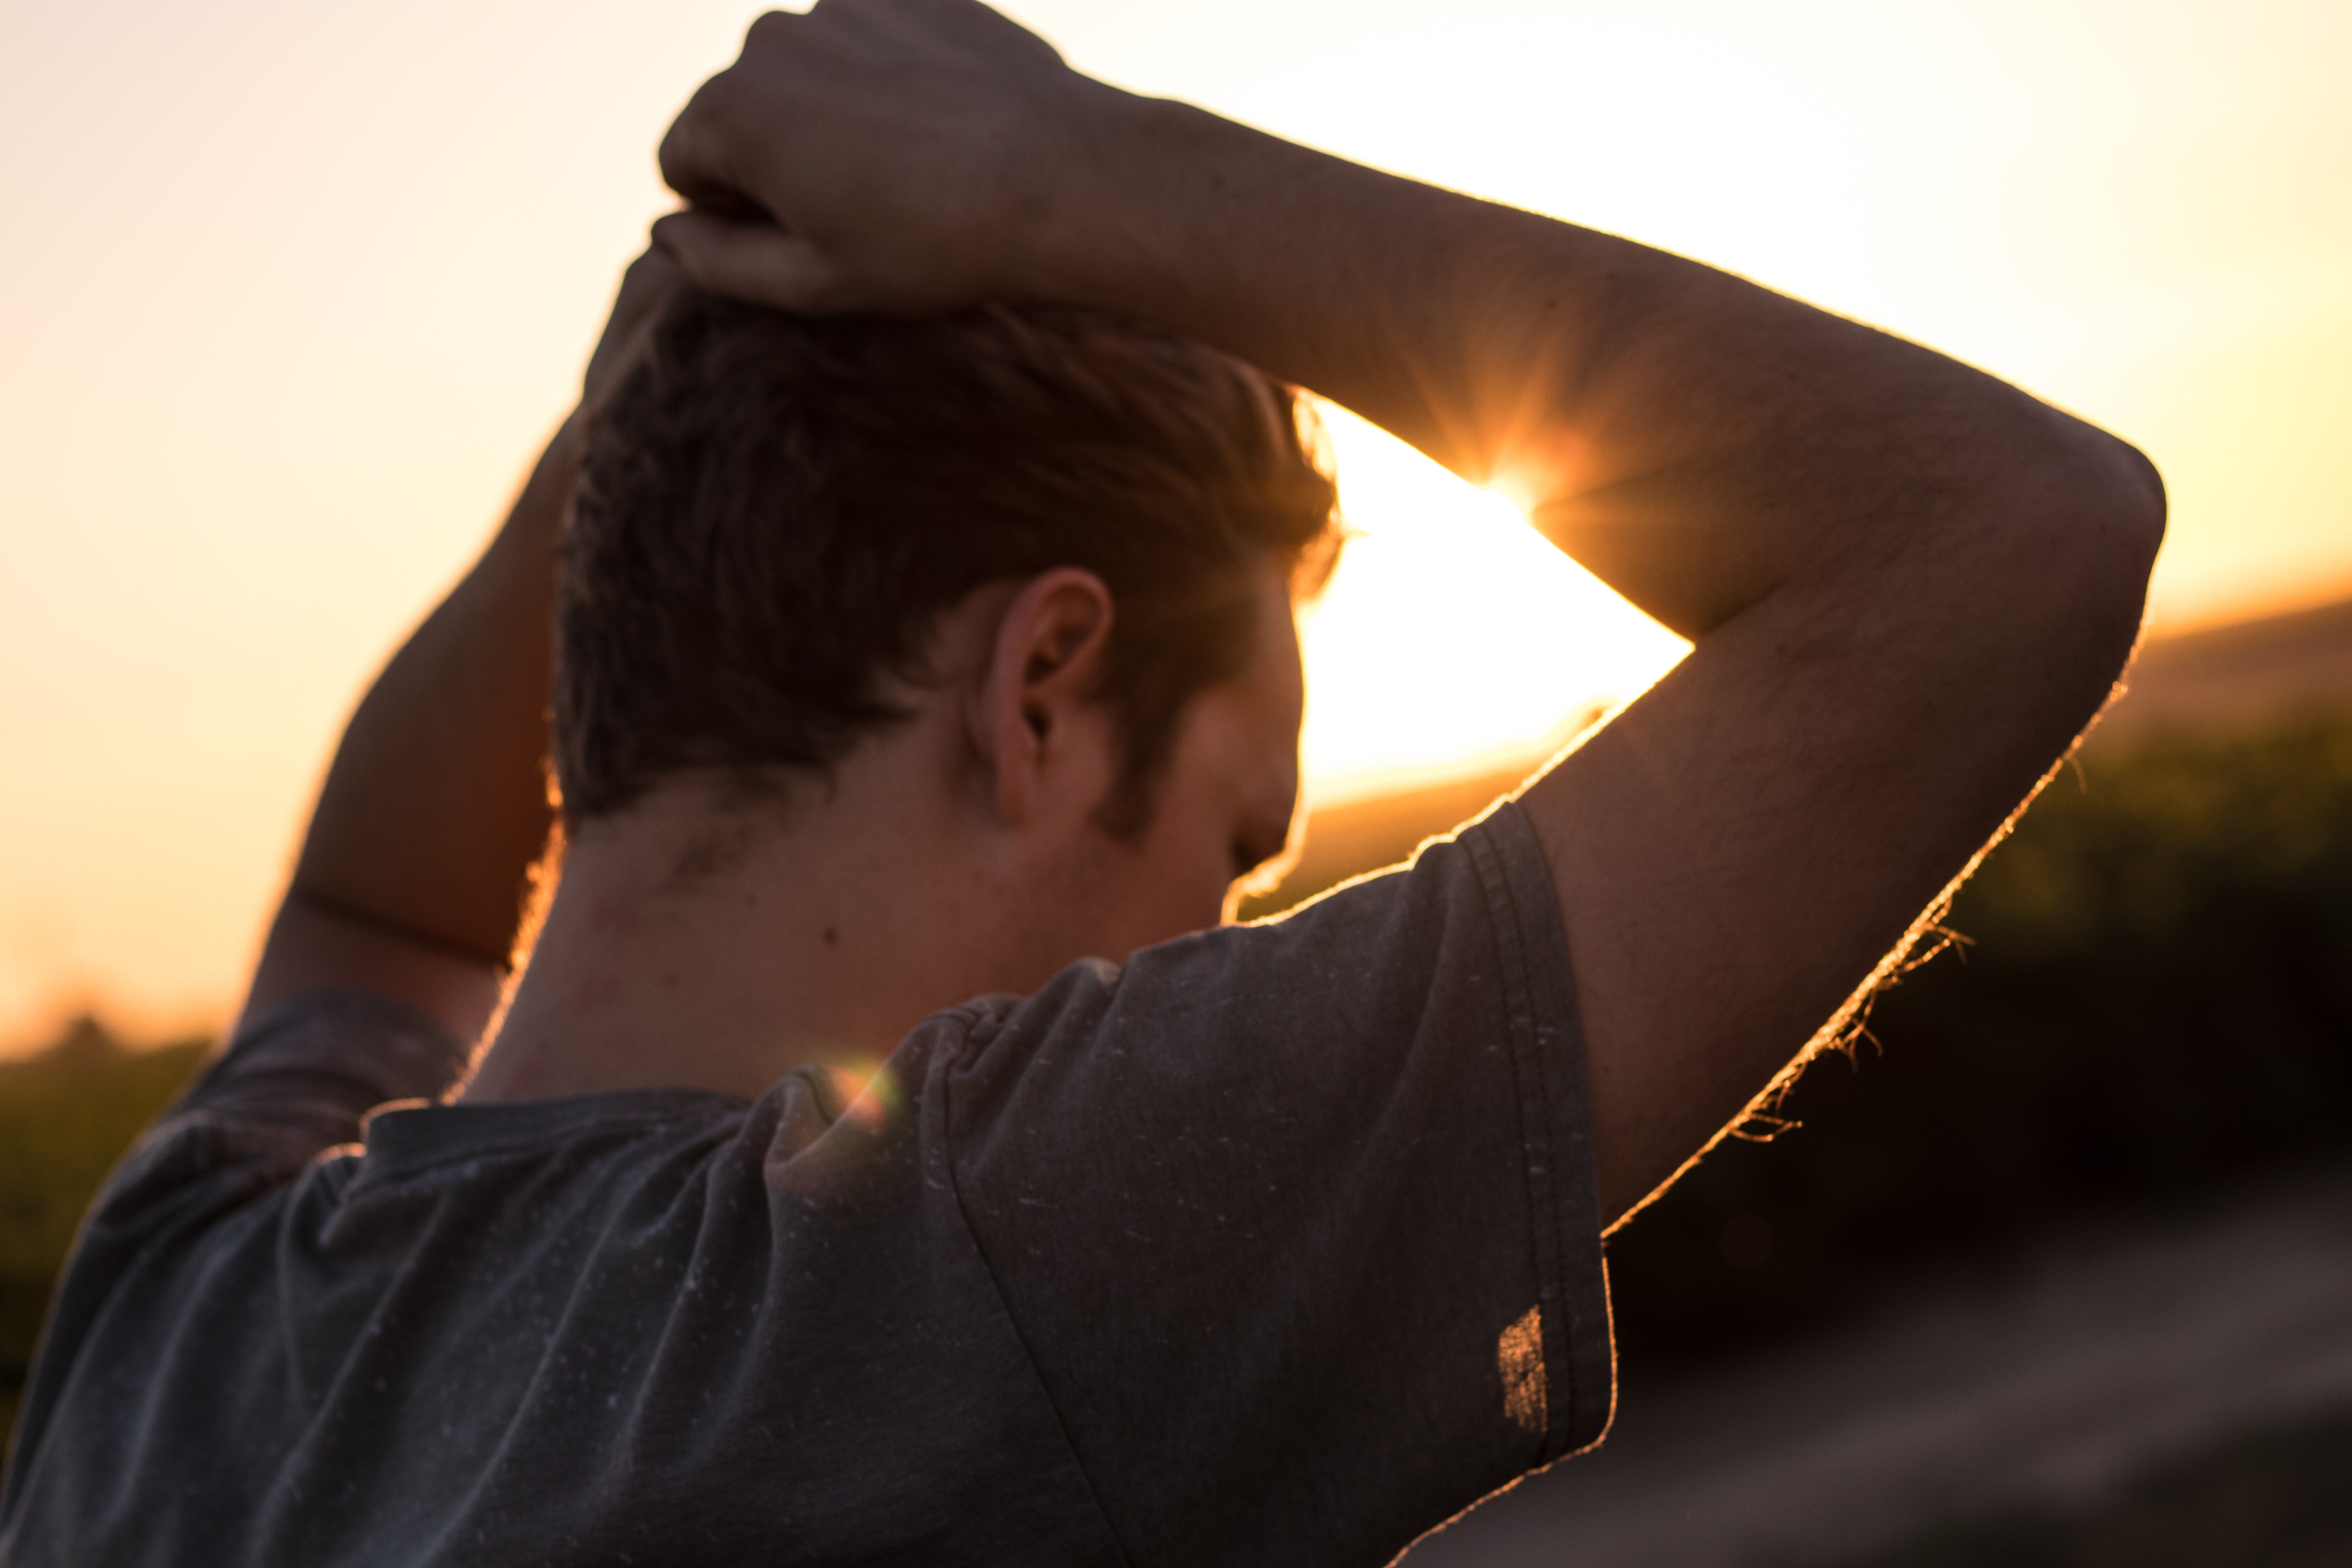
{"type": "Point", "coordinates": [1453, 634]}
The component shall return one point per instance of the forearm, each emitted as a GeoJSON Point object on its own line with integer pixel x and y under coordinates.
{"type": "Point", "coordinates": [1696, 440]}
{"type": "Point", "coordinates": [412, 876]}
{"type": "Point", "coordinates": [436, 806]}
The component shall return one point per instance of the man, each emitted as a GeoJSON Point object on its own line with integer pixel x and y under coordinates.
{"type": "Point", "coordinates": [1275, 1243]}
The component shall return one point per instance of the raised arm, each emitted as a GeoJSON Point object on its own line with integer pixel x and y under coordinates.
{"type": "Point", "coordinates": [1910, 584]}
{"type": "Point", "coordinates": [413, 875]}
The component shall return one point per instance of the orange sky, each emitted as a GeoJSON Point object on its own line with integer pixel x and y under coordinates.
{"type": "Point", "coordinates": [291, 292]}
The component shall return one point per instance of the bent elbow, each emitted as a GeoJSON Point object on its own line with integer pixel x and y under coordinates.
{"type": "Point", "coordinates": [2088, 508]}
{"type": "Point", "coordinates": [2098, 528]}
{"type": "Point", "coordinates": [2131, 508]}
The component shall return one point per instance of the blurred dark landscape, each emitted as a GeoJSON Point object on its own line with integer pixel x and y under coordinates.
{"type": "Point", "coordinates": [2150, 1015]}
{"type": "Point", "coordinates": [2151, 993]}
{"type": "Point", "coordinates": [2154, 999]}
{"type": "Point", "coordinates": [2148, 1022]}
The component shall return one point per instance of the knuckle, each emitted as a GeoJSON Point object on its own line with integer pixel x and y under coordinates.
{"type": "Point", "coordinates": [672, 157]}
{"type": "Point", "coordinates": [650, 272]}
{"type": "Point", "coordinates": [768, 28]}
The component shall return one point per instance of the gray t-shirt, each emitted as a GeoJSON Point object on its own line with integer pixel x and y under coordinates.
{"type": "Point", "coordinates": [1279, 1245]}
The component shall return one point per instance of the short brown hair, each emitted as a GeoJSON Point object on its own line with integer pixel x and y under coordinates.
{"type": "Point", "coordinates": [774, 510]}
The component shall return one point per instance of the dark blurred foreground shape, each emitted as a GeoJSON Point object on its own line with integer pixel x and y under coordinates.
{"type": "Point", "coordinates": [2138, 1061]}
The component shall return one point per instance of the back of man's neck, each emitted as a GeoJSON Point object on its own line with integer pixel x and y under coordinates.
{"type": "Point", "coordinates": [723, 952]}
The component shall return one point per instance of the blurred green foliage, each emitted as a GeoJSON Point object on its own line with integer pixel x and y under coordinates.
{"type": "Point", "coordinates": [65, 1116]}
{"type": "Point", "coordinates": [2155, 999]}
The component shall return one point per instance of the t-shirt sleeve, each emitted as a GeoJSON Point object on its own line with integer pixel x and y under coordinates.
{"type": "Point", "coordinates": [301, 1077]}
{"type": "Point", "coordinates": [297, 1080]}
{"type": "Point", "coordinates": [1297, 1220]}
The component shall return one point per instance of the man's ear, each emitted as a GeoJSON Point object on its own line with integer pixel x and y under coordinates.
{"type": "Point", "coordinates": [1044, 667]}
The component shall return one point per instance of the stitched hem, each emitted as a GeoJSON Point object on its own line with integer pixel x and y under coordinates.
{"type": "Point", "coordinates": [1548, 1072]}
{"type": "Point", "coordinates": [979, 1022]}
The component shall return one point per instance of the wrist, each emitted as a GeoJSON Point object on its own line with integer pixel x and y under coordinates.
{"type": "Point", "coordinates": [536, 515]}
{"type": "Point", "coordinates": [1209, 228]}
{"type": "Point", "coordinates": [1099, 225]}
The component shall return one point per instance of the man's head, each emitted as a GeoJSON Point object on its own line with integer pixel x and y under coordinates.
{"type": "Point", "coordinates": [779, 515]}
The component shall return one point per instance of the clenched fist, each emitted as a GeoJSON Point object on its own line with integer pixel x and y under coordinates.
{"type": "Point", "coordinates": [893, 156]}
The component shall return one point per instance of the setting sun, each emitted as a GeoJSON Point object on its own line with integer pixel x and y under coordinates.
{"type": "Point", "coordinates": [1453, 635]}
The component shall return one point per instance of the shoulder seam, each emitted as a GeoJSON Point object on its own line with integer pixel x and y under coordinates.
{"type": "Point", "coordinates": [979, 1020]}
